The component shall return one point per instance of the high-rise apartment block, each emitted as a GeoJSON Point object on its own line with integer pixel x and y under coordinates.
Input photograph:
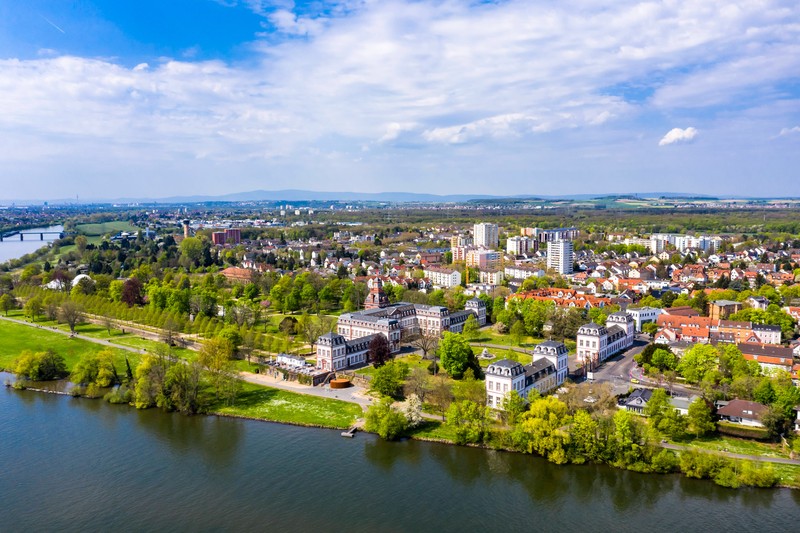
{"type": "Point", "coordinates": [486, 235]}
{"type": "Point", "coordinates": [559, 256]}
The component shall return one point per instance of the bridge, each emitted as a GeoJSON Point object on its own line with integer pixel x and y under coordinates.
{"type": "Point", "coordinates": [22, 234]}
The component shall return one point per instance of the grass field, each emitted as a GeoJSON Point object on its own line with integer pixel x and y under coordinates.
{"type": "Point", "coordinates": [722, 443]}
{"type": "Point", "coordinates": [104, 228]}
{"type": "Point", "coordinates": [276, 405]}
{"type": "Point", "coordinates": [17, 338]}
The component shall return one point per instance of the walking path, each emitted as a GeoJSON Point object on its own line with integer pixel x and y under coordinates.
{"type": "Point", "coordinates": [762, 458]}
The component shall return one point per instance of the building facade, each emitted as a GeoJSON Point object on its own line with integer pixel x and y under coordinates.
{"type": "Point", "coordinates": [597, 343]}
{"type": "Point", "coordinates": [560, 256]}
{"type": "Point", "coordinates": [546, 373]}
{"type": "Point", "coordinates": [486, 235]}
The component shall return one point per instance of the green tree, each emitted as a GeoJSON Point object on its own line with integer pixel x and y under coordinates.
{"type": "Point", "coordinates": [456, 355]}
{"type": "Point", "coordinates": [95, 368]}
{"type": "Point", "coordinates": [471, 327]}
{"type": "Point", "coordinates": [7, 303]}
{"type": "Point", "coordinates": [513, 406]}
{"type": "Point", "coordinates": [383, 419]}
{"type": "Point", "coordinates": [70, 313]}
{"type": "Point", "coordinates": [584, 442]}
{"type": "Point", "coordinates": [388, 379]}
{"type": "Point", "coordinates": [542, 430]}
{"type": "Point", "coordinates": [699, 418]}
{"type": "Point", "coordinates": [468, 421]}
{"type": "Point", "coordinates": [697, 361]}
{"type": "Point", "coordinates": [657, 406]}
{"type": "Point", "coordinates": [33, 308]}
{"type": "Point", "coordinates": [40, 366]}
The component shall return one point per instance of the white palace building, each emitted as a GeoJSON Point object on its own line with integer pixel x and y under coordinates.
{"type": "Point", "coordinates": [547, 372]}
{"type": "Point", "coordinates": [354, 331]}
{"type": "Point", "coordinates": [597, 343]}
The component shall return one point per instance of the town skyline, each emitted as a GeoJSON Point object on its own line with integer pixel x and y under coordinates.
{"type": "Point", "coordinates": [105, 100]}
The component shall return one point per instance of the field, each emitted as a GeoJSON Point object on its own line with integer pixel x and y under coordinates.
{"type": "Point", "coordinates": [104, 228]}
{"type": "Point", "coordinates": [265, 403]}
{"type": "Point", "coordinates": [17, 338]}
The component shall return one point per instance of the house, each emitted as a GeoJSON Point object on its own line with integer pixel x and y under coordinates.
{"type": "Point", "coordinates": [637, 400]}
{"type": "Point", "coordinates": [742, 412]}
{"type": "Point", "coordinates": [757, 302]}
{"type": "Point", "coordinates": [682, 403]}
{"type": "Point", "coordinates": [769, 357]}
{"type": "Point", "coordinates": [597, 343]}
{"type": "Point", "coordinates": [547, 372]}
{"type": "Point", "coordinates": [643, 315]}
{"type": "Point", "coordinates": [721, 309]}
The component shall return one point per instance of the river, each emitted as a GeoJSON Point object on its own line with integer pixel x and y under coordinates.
{"type": "Point", "coordinates": [12, 247]}
{"type": "Point", "coordinates": [82, 465]}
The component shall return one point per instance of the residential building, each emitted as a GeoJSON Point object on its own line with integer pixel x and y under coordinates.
{"type": "Point", "coordinates": [484, 259]}
{"type": "Point", "coordinates": [597, 343]}
{"type": "Point", "coordinates": [742, 412]}
{"type": "Point", "coordinates": [722, 309]}
{"type": "Point", "coordinates": [770, 358]}
{"type": "Point", "coordinates": [643, 315]}
{"type": "Point", "coordinates": [523, 271]}
{"type": "Point", "coordinates": [637, 400]}
{"type": "Point", "coordinates": [547, 235]}
{"type": "Point", "coordinates": [518, 245]}
{"type": "Point", "coordinates": [486, 235]}
{"type": "Point", "coordinates": [494, 278]}
{"type": "Point", "coordinates": [443, 277]}
{"type": "Point", "coordinates": [233, 235]}
{"type": "Point", "coordinates": [559, 256]}
{"type": "Point", "coordinates": [546, 373]}
{"type": "Point", "coordinates": [460, 241]}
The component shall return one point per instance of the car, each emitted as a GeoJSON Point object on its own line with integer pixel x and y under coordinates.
{"type": "Point", "coordinates": [634, 380]}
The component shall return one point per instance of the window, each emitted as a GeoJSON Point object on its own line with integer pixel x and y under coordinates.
{"type": "Point", "coordinates": [505, 387]}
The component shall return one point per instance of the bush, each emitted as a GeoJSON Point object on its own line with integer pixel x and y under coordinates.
{"type": "Point", "coordinates": [384, 420]}
{"type": "Point", "coordinates": [119, 395]}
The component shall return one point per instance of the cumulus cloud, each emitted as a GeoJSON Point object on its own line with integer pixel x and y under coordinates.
{"type": "Point", "coordinates": [678, 135]}
{"type": "Point", "coordinates": [491, 75]}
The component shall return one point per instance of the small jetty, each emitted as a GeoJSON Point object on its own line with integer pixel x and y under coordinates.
{"type": "Point", "coordinates": [350, 433]}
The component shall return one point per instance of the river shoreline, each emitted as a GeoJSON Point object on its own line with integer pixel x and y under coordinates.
{"type": "Point", "coordinates": [360, 428]}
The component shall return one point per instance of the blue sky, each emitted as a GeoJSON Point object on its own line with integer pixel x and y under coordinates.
{"type": "Point", "coordinates": [113, 98]}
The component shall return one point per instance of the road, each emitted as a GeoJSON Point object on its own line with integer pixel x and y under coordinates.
{"type": "Point", "coordinates": [622, 369]}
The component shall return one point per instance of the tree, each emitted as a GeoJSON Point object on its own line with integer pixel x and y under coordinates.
{"type": "Point", "coordinates": [542, 430]}
{"type": "Point", "coordinates": [699, 418]}
{"type": "Point", "coordinates": [584, 442]}
{"type": "Point", "coordinates": [40, 366]}
{"type": "Point", "coordinates": [388, 379]}
{"type": "Point", "coordinates": [33, 307]}
{"type": "Point", "coordinates": [517, 332]}
{"type": "Point", "coordinates": [71, 313]}
{"type": "Point", "coordinates": [215, 356]}
{"type": "Point", "coordinates": [651, 328]}
{"type": "Point", "coordinates": [468, 421]}
{"type": "Point", "coordinates": [697, 361]}
{"type": "Point", "coordinates": [513, 406]}
{"type": "Point", "coordinates": [7, 303]}
{"type": "Point", "coordinates": [470, 330]}
{"type": "Point", "coordinates": [418, 383]}
{"type": "Point", "coordinates": [426, 342]}
{"type": "Point", "coordinates": [95, 368]}
{"type": "Point", "coordinates": [657, 406]}
{"type": "Point", "coordinates": [183, 385]}
{"type": "Point", "coordinates": [441, 394]}
{"type": "Point", "coordinates": [132, 292]}
{"type": "Point", "coordinates": [383, 419]}
{"type": "Point", "coordinates": [378, 351]}
{"type": "Point", "coordinates": [456, 355]}
{"type": "Point", "coordinates": [470, 389]}
{"type": "Point", "coordinates": [664, 360]}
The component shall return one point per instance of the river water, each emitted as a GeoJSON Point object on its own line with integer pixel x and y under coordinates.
{"type": "Point", "coordinates": [82, 465]}
{"type": "Point", "coordinates": [12, 247]}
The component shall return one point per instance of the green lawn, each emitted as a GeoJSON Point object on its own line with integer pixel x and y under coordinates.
{"type": "Point", "coordinates": [432, 429]}
{"type": "Point", "coordinates": [719, 443]}
{"type": "Point", "coordinates": [104, 228]}
{"type": "Point", "coordinates": [284, 406]}
{"type": "Point", "coordinates": [16, 338]}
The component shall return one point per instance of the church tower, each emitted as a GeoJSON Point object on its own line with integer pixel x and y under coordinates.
{"type": "Point", "coordinates": [377, 297]}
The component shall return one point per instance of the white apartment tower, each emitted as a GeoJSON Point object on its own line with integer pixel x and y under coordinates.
{"type": "Point", "coordinates": [486, 235]}
{"type": "Point", "coordinates": [559, 256]}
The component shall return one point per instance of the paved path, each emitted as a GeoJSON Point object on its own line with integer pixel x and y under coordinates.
{"type": "Point", "coordinates": [762, 458]}
{"type": "Point", "coordinates": [352, 394]}
{"type": "Point", "coordinates": [103, 342]}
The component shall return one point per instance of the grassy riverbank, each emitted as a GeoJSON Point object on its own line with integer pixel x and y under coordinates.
{"type": "Point", "coordinates": [275, 405]}
{"type": "Point", "coordinates": [17, 337]}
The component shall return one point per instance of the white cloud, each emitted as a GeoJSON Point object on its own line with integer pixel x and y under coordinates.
{"type": "Point", "coordinates": [678, 135]}
{"type": "Point", "coordinates": [494, 78]}
{"type": "Point", "coordinates": [789, 131]}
